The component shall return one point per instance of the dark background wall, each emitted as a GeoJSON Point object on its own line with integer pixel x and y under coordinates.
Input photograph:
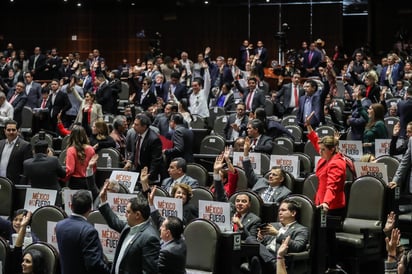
{"type": "Point", "coordinates": [112, 25]}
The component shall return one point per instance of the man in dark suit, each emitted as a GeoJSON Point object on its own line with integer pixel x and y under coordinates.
{"type": "Point", "coordinates": [148, 148]}
{"type": "Point", "coordinates": [79, 245]}
{"type": "Point", "coordinates": [259, 141]}
{"type": "Point", "coordinates": [172, 258]}
{"type": "Point", "coordinates": [139, 244]}
{"type": "Point", "coordinates": [162, 120]}
{"type": "Point", "coordinates": [57, 102]}
{"type": "Point", "coordinates": [173, 90]}
{"type": "Point", "coordinates": [105, 95]}
{"type": "Point", "coordinates": [243, 220]}
{"type": "Point", "coordinates": [404, 113]}
{"type": "Point", "coordinates": [252, 96]}
{"type": "Point", "coordinates": [261, 54]}
{"type": "Point", "coordinates": [271, 236]}
{"type": "Point", "coordinates": [289, 94]}
{"type": "Point", "coordinates": [237, 123]}
{"type": "Point", "coordinates": [17, 98]}
{"type": "Point", "coordinates": [177, 173]}
{"type": "Point", "coordinates": [43, 171]}
{"type": "Point", "coordinates": [13, 150]}
{"type": "Point", "coordinates": [144, 97]}
{"type": "Point", "coordinates": [33, 91]}
{"type": "Point", "coordinates": [271, 190]}
{"type": "Point", "coordinates": [311, 102]}
{"type": "Point", "coordinates": [37, 63]}
{"type": "Point", "coordinates": [182, 139]}
{"type": "Point", "coordinates": [311, 61]}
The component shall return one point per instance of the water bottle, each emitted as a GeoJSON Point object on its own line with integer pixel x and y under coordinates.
{"type": "Point", "coordinates": [28, 232]}
{"type": "Point", "coordinates": [109, 161]}
{"type": "Point", "coordinates": [27, 238]}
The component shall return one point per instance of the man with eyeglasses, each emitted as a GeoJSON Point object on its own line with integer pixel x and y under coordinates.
{"type": "Point", "coordinates": [17, 98]}
{"type": "Point", "coordinates": [237, 123]}
{"type": "Point", "coordinates": [13, 150]}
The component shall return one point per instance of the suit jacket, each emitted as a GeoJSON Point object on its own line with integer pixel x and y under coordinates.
{"type": "Point", "coordinates": [18, 104]}
{"type": "Point", "coordinates": [182, 144]}
{"type": "Point", "coordinates": [263, 57]}
{"type": "Point", "coordinates": [393, 150]}
{"type": "Point", "coordinates": [172, 258]}
{"type": "Point", "coordinates": [149, 100]}
{"type": "Point", "coordinates": [313, 63]}
{"type": "Point", "coordinates": [150, 155]}
{"type": "Point", "coordinates": [258, 100]}
{"type": "Point", "coordinates": [264, 144]}
{"type": "Point", "coordinates": [162, 123]}
{"type": "Point", "coordinates": [142, 253]}
{"type": "Point", "coordinates": [259, 185]}
{"type": "Point", "coordinates": [21, 151]}
{"type": "Point", "coordinates": [284, 95]}
{"type": "Point", "coordinates": [179, 92]}
{"type": "Point", "coordinates": [61, 103]}
{"type": "Point", "coordinates": [242, 127]}
{"type": "Point", "coordinates": [317, 107]}
{"type": "Point", "coordinates": [40, 62]}
{"type": "Point", "coordinates": [34, 95]}
{"type": "Point", "coordinates": [107, 99]}
{"type": "Point", "coordinates": [359, 118]}
{"type": "Point", "coordinates": [228, 102]}
{"type": "Point", "coordinates": [167, 183]}
{"type": "Point", "coordinates": [80, 248]}
{"type": "Point", "coordinates": [43, 171]}
{"type": "Point", "coordinates": [403, 175]}
{"type": "Point", "coordinates": [404, 114]}
{"type": "Point", "coordinates": [95, 114]}
{"type": "Point", "coordinates": [250, 223]}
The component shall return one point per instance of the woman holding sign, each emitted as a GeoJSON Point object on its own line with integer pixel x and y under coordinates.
{"type": "Point", "coordinates": [330, 195]}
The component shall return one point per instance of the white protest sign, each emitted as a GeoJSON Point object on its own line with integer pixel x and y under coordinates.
{"type": "Point", "coordinates": [118, 203]}
{"type": "Point", "coordinates": [217, 212]}
{"type": "Point", "coordinates": [168, 206]}
{"type": "Point", "coordinates": [126, 178]}
{"type": "Point", "coordinates": [289, 163]}
{"type": "Point", "coordinates": [351, 148]}
{"type": "Point", "coordinates": [38, 197]}
{"type": "Point", "coordinates": [109, 239]}
{"type": "Point", "coordinates": [255, 160]}
{"type": "Point", "coordinates": [382, 147]}
{"type": "Point", "coordinates": [51, 234]}
{"type": "Point", "coordinates": [378, 170]}
{"type": "Point", "coordinates": [67, 199]}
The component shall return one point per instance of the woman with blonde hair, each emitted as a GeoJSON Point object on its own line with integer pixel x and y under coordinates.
{"type": "Point", "coordinates": [373, 90]}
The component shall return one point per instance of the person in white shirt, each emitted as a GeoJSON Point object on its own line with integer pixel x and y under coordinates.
{"type": "Point", "coordinates": [6, 112]}
{"type": "Point", "coordinates": [199, 97]}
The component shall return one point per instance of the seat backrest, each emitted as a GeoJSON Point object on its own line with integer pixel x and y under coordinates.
{"type": "Point", "coordinates": [65, 142]}
{"type": "Point", "coordinates": [198, 135]}
{"type": "Point", "coordinates": [256, 202]}
{"type": "Point", "coordinates": [198, 172]}
{"type": "Point", "coordinates": [264, 163]}
{"type": "Point", "coordinates": [296, 132]}
{"type": "Point", "coordinates": [40, 218]}
{"type": "Point", "coordinates": [123, 189]}
{"type": "Point", "coordinates": [309, 149]}
{"type": "Point", "coordinates": [212, 144]}
{"type": "Point", "coordinates": [200, 193]}
{"type": "Point", "coordinates": [62, 157]}
{"type": "Point", "coordinates": [289, 120]}
{"type": "Point", "coordinates": [4, 254]}
{"type": "Point", "coordinates": [310, 186]}
{"type": "Point", "coordinates": [47, 137]}
{"type": "Point", "coordinates": [113, 153]}
{"type": "Point", "coordinates": [6, 196]}
{"type": "Point", "coordinates": [202, 241]}
{"type": "Point", "coordinates": [305, 164]}
{"type": "Point", "coordinates": [241, 179]}
{"type": "Point", "coordinates": [219, 125]}
{"type": "Point", "coordinates": [390, 122]}
{"type": "Point", "coordinates": [161, 192]}
{"type": "Point", "coordinates": [124, 92]}
{"type": "Point", "coordinates": [27, 119]}
{"type": "Point", "coordinates": [307, 211]}
{"type": "Point", "coordinates": [95, 217]}
{"type": "Point", "coordinates": [323, 131]}
{"type": "Point", "coordinates": [367, 193]}
{"type": "Point", "coordinates": [285, 143]}
{"type": "Point", "coordinates": [391, 163]}
{"type": "Point", "coordinates": [197, 122]}
{"type": "Point", "coordinates": [50, 255]}
{"type": "Point", "coordinates": [289, 180]}
{"type": "Point", "coordinates": [269, 107]}
{"type": "Point", "coordinates": [214, 112]}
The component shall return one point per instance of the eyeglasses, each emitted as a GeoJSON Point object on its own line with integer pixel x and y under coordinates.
{"type": "Point", "coordinates": [144, 84]}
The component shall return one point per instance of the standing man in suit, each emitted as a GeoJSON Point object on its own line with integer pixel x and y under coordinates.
{"type": "Point", "coordinates": [37, 63]}
{"type": "Point", "coordinates": [57, 102]}
{"type": "Point", "coordinates": [148, 148]}
{"type": "Point", "coordinates": [259, 141]}
{"type": "Point", "coordinates": [253, 97]}
{"type": "Point", "coordinates": [289, 94]}
{"type": "Point", "coordinates": [173, 90]}
{"type": "Point", "coordinates": [271, 190]}
{"type": "Point", "coordinates": [311, 102]}
{"type": "Point", "coordinates": [244, 53]}
{"type": "Point", "coordinates": [172, 258]}
{"type": "Point", "coordinates": [182, 139]}
{"type": "Point", "coordinates": [270, 237]}
{"type": "Point", "coordinates": [404, 113]}
{"type": "Point", "coordinates": [13, 150]}
{"type": "Point", "coordinates": [139, 244]}
{"type": "Point", "coordinates": [17, 98]}
{"type": "Point", "coordinates": [177, 173]}
{"type": "Point", "coordinates": [33, 91]}
{"type": "Point", "coordinates": [237, 123]}
{"type": "Point", "coordinates": [105, 95]}
{"type": "Point", "coordinates": [79, 245]}
{"type": "Point", "coordinates": [311, 61]}
{"type": "Point", "coordinates": [261, 53]}
{"type": "Point", "coordinates": [145, 97]}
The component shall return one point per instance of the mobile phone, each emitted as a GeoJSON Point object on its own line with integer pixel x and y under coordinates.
{"type": "Point", "coordinates": [261, 226]}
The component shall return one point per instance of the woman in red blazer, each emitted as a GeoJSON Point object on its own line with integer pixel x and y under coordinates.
{"type": "Point", "coordinates": [330, 195]}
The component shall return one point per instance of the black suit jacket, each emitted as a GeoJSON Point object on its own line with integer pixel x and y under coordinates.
{"type": "Point", "coordinates": [18, 104]}
{"type": "Point", "coordinates": [80, 248]}
{"type": "Point", "coordinates": [150, 155]}
{"type": "Point", "coordinates": [21, 151]}
{"type": "Point", "coordinates": [179, 92]}
{"type": "Point", "coordinates": [107, 99]}
{"type": "Point", "coordinates": [317, 107]}
{"type": "Point", "coordinates": [149, 100]}
{"type": "Point", "coordinates": [284, 96]}
{"type": "Point", "coordinates": [405, 114]}
{"type": "Point", "coordinates": [264, 144]}
{"type": "Point", "coordinates": [172, 258]}
{"type": "Point", "coordinates": [242, 127]}
{"type": "Point", "coordinates": [142, 253]}
{"type": "Point", "coordinates": [182, 144]}
{"type": "Point", "coordinates": [34, 95]}
{"type": "Point", "coordinates": [258, 100]}
{"type": "Point", "coordinates": [43, 171]}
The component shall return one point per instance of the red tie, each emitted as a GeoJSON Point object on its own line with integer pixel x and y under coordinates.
{"type": "Point", "coordinates": [13, 98]}
{"type": "Point", "coordinates": [235, 225]}
{"type": "Point", "coordinates": [249, 100]}
{"type": "Point", "coordinates": [43, 104]}
{"type": "Point", "coordinates": [310, 56]}
{"type": "Point", "coordinates": [296, 97]}
{"type": "Point", "coordinates": [137, 154]}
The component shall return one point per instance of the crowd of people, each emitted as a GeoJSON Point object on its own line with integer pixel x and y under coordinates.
{"type": "Point", "coordinates": [152, 132]}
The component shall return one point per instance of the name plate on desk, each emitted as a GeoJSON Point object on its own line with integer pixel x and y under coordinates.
{"type": "Point", "coordinates": [289, 163]}
{"type": "Point", "coordinates": [217, 212]}
{"type": "Point", "coordinates": [38, 197]}
{"type": "Point", "coordinates": [126, 178]}
{"type": "Point", "coordinates": [255, 160]}
{"type": "Point", "coordinates": [169, 206]}
{"type": "Point", "coordinates": [118, 203]}
{"type": "Point", "coordinates": [378, 170]}
{"type": "Point", "coordinates": [353, 149]}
